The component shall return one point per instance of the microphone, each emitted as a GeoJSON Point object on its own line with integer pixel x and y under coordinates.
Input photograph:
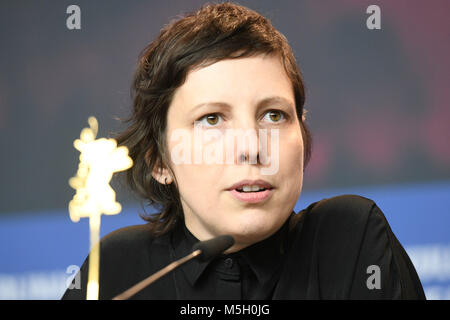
{"type": "Point", "coordinates": [203, 250]}
{"type": "Point", "coordinates": [213, 247]}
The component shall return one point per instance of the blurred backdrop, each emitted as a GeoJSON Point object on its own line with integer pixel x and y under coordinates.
{"type": "Point", "coordinates": [377, 101]}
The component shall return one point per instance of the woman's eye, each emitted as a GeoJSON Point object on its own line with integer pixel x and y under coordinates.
{"type": "Point", "coordinates": [209, 120]}
{"type": "Point", "coordinates": [274, 116]}
{"type": "Point", "coordinates": [214, 119]}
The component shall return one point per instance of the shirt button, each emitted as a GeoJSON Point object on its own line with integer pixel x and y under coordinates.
{"type": "Point", "coordinates": [228, 262]}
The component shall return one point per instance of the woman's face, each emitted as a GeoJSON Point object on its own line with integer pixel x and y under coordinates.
{"type": "Point", "coordinates": [206, 121]}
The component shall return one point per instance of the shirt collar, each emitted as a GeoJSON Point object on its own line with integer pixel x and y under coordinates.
{"type": "Point", "coordinates": [263, 257]}
{"type": "Point", "coordinates": [182, 242]}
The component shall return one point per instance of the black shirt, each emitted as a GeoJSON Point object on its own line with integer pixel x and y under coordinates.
{"type": "Point", "coordinates": [336, 248]}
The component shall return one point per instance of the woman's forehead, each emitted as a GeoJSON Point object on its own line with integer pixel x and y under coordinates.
{"type": "Point", "coordinates": [252, 78]}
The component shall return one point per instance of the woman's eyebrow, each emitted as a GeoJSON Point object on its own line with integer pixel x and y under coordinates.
{"type": "Point", "coordinates": [261, 104]}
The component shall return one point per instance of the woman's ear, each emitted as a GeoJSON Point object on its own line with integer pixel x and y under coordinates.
{"type": "Point", "coordinates": [162, 175]}
{"type": "Point", "coordinates": [159, 172]}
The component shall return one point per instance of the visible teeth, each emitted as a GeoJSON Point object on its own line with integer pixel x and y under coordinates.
{"type": "Point", "coordinates": [251, 188]}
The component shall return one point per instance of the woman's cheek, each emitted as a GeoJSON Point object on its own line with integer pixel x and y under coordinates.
{"type": "Point", "coordinates": [291, 150]}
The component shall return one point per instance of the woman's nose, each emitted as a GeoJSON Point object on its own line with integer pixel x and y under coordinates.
{"type": "Point", "coordinates": [246, 142]}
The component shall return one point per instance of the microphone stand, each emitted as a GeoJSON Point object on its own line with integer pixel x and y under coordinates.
{"type": "Point", "coordinates": [147, 281]}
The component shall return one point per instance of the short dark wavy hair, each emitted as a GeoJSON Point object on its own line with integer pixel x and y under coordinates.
{"type": "Point", "coordinates": [215, 32]}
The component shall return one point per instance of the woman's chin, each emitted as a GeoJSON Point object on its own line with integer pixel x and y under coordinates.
{"type": "Point", "coordinates": [245, 233]}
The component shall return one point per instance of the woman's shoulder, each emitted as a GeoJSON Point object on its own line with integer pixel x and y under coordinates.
{"type": "Point", "coordinates": [131, 238]}
{"type": "Point", "coordinates": [127, 255]}
{"type": "Point", "coordinates": [342, 213]}
{"type": "Point", "coordinates": [134, 251]}
{"type": "Point", "coordinates": [345, 238]}
{"type": "Point", "coordinates": [347, 207]}
{"type": "Point", "coordinates": [336, 229]}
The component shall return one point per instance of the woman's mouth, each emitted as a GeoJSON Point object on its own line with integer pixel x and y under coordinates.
{"type": "Point", "coordinates": [251, 194]}
{"type": "Point", "coordinates": [251, 191]}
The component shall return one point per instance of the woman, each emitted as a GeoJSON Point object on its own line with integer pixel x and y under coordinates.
{"type": "Point", "coordinates": [219, 142]}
